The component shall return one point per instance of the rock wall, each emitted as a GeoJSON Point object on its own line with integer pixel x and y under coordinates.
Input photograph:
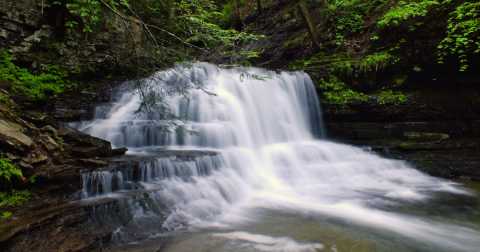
{"type": "Point", "coordinates": [384, 128]}
{"type": "Point", "coordinates": [34, 32]}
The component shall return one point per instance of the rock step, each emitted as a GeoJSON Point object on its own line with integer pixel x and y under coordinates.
{"type": "Point", "coordinates": [98, 219]}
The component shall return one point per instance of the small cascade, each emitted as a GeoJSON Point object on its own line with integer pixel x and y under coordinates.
{"type": "Point", "coordinates": [138, 174]}
{"type": "Point", "coordinates": [98, 182]}
{"type": "Point", "coordinates": [260, 151]}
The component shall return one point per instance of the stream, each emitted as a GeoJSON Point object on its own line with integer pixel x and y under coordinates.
{"type": "Point", "coordinates": [262, 177]}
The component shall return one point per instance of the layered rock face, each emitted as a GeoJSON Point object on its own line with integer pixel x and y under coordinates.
{"type": "Point", "coordinates": [437, 131]}
{"type": "Point", "coordinates": [28, 27]}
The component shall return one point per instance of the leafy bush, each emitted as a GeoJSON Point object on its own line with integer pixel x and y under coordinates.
{"type": "Point", "coordinates": [14, 197]}
{"type": "Point", "coordinates": [6, 215]}
{"type": "Point", "coordinates": [463, 33]}
{"type": "Point", "coordinates": [33, 86]}
{"type": "Point", "coordinates": [7, 170]}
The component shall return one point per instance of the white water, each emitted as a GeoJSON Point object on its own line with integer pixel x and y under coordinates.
{"type": "Point", "coordinates": [270, 157]}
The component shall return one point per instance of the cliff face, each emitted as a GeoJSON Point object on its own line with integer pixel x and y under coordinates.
{"type": "Point", "coordinates": [34, 33]}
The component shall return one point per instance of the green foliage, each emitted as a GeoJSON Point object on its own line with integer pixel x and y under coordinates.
{"type": "Point", "coordinates": [6, 215]}
{"type": "Point", "coordinates": [404, 10]}
{"type": "Point", "coordinates": [7, 170]}
{"type": "Point", "coordinates": [297, 40]}
{"type": "Point", "coordinates": [390, 96]}
{"type": "Point", "coordinates": [243, 57]}
{"type": "Point", "coordinates": [89, 11]}
{"type": "Point", "coordinates": [228, 10]}
{"type": "Point", "coordinates": [32, 178]}
{"type": "Point", "coordinates": [14, 197]}
{"type": "Point", "coordinates": [348, 19]}
{"type": "Point", "coordinates": [335, 91]}
{"type": "Point", "coordinates": [34, 86]}
{"type": "Point", "coordinates": [463, 34]}
{"type": "Point", "coordinates": [60, 144]}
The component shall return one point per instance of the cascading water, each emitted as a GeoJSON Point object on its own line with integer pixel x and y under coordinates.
{"type": "Point", "coordinates": [263, 166]}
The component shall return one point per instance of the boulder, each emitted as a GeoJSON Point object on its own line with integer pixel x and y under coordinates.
{"type": "Point", "coordinates": [11, 135]}
{"type": "Point", "coordinates": [49, 129]}
{"type": "Point", "coordinates": [119, 151]}
{"type": "Point", "coordinates": [39, 119]}
{"type": "Point", "coordinates": [87, 140]}
{"type": "Point", "coordinates": [425, 137]}
{"type": "Point", "coordinates": [63, 131]}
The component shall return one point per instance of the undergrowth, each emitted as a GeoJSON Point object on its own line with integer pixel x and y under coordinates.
{"type": "Point", "coordinates": [49, 82]}
{"type": "Point", "coordinates": [336, 91]}
{"type": "Point", "coordinates": [14, 197]}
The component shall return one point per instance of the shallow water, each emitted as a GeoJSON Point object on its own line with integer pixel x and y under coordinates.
{"type": "Point", "coordinates": [284, 229]}
{"type": "Point", "coordinates": [274, 184]}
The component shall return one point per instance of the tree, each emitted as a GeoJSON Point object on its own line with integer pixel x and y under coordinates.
{"type": "Point", "coordinates": [170, 31]}
{"type": "Point", "coordinates": [259, 7]}
{"type": "Point", "coordinates": [309, 23]}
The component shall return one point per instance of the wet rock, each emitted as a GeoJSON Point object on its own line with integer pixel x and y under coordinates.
{"type": "Point", "coordinates": [424, 137]}
{"type": "Point", "coordinates": [11, 135]}
{"type": "Point", "coordinates": [150, 245]}
{"type": "Point", "coordinates": [69, 114]}
{"type": "Point", "coordinates": [39, 119]}
{"type": "Point", "coordinates": [440, 145]}
{"type": "Point", "coordinates": [92, 162]}
{"type": "Point", "coordinates": [89, 152]}
{"type": "Point", "coordinates": [53, 132]}
{"type": "Point", "coordinates": [119, 151]}
{"type": "Point", "coordinates": [88, 140]}
{"type": "Point", "coordinates": [49, 142]}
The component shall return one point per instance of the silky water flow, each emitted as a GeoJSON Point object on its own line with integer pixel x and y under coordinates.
{"type": "Point", "coordinates": [261, 177]}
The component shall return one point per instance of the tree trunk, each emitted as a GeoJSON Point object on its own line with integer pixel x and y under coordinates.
{"type": "Point", "coordinates": [236, 18]}
{"type": "Point", "coordinates": [259, 7]}
{"type": "Point", "coordinates": [309, 23]}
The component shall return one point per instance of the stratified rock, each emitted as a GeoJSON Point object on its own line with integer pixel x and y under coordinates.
{"type": "Point", "coordinates": [69, 114]}
{"type": "Point", "coordinates": [39, 119]}
{"type": "Point", "coordinates": [12, 157]}
{"type": "Point", "coordinates": [11, 135]}
{"type": "Point", "coordinates": [89, 152]}
{"type": "Point", "coordinates": [53, 132]}
{"type": "Point", "coordinates": [425, 137]}
{"type": "Point", "coordinates": [83, 139]}
{"type": "Point", "coordinates": [63, 131]}
{"type": "Point", "coordinates": [440, 145]}
{"type": "Point", "coordinates": [96, 151]}
{"type": "Point", "coordinates": [92, 162]}
{"type": "Point", "coordinates": [49, 142]}
{"type": "Point", "coordinates": [25, 165]}
{"type": "Point", "coordinates": [39, 158]}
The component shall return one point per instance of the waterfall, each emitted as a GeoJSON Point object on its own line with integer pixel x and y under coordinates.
{"type": "Point", "coordinates": [265, 150]}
